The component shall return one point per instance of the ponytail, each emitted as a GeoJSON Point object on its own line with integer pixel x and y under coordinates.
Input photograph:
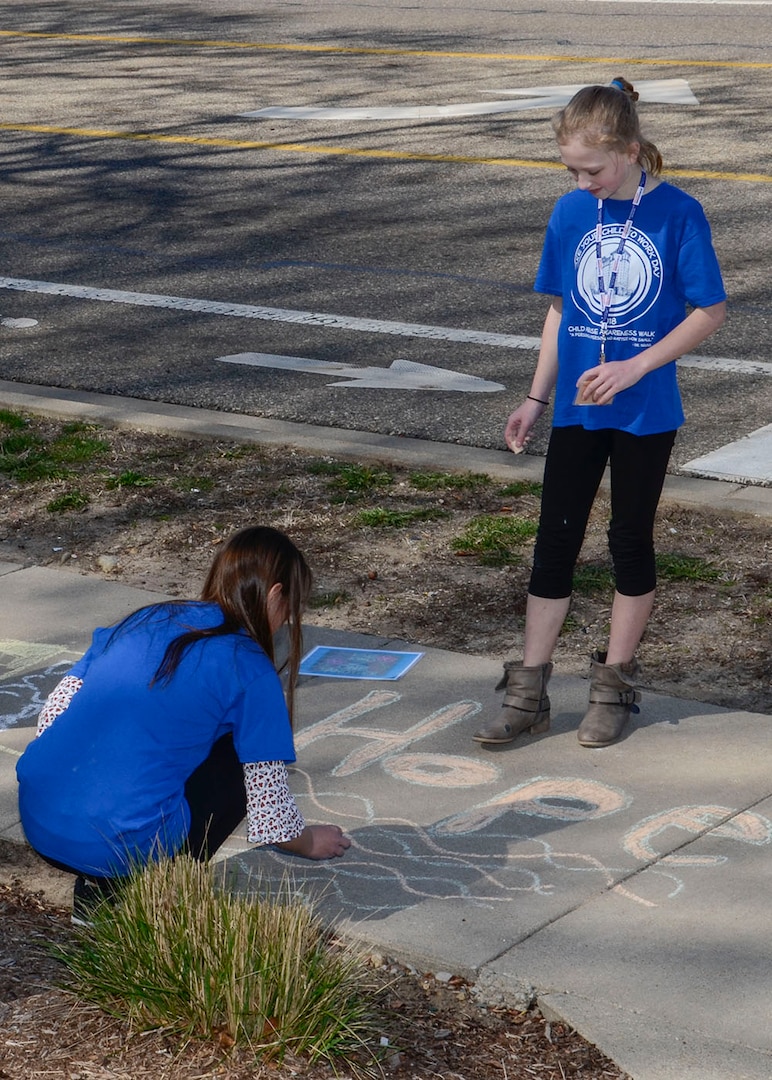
{"type": "Point", "coordinates": [606, 116]}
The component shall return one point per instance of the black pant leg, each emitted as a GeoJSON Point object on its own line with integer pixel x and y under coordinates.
{"type": "Point", "coordinates": [638, 467]}
{"type": "Point", "coordinates": [576, 460]}
{"type": "Point", "coordinates": [217, 799]}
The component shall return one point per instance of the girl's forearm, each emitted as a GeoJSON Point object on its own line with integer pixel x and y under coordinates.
{"type": "Point", "coordinates": [696, 328]}
{"type": "Point", "coordinates": [546, 373]}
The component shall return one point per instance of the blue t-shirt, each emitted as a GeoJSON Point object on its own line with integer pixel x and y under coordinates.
{"type": "Point", "coordinates": [668, 263]}
{"type": "Point", "coordinates": [104, 785]}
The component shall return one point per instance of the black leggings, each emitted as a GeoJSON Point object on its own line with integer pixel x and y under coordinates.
{"type": "Point", "coordinates": [217, 799]}
{"type": "Point", "coordinates": [576, 460]}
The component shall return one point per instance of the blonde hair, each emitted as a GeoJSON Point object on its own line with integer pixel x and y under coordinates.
{"type": "Point", "coordinates": [606, 117]}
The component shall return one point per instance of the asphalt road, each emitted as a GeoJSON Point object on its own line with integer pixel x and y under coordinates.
{"type": "Point", "coordinates": [130, 176]}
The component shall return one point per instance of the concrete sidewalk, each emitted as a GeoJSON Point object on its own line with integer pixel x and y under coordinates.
{"type": "Point", "coordinates": [627, 889]}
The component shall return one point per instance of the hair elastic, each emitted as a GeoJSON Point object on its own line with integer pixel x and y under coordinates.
{"type": "Point", "coordinates": [530, 397]}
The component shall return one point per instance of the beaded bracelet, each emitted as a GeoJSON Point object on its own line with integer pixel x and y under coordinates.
{"type": "Point", "coordinates": [532, 398]}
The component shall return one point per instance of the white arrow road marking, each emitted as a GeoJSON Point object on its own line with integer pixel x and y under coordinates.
{"type": "Point", "coordinates": [747, 460]}
{"type": "Point", "coordinates": [664, 91]}
{"type": "Point", "coordinates": [661, 91]}
{"type": "Point", "coordinates": [402, 375]}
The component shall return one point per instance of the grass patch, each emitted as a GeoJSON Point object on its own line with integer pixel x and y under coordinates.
{"type": "Point", "coordinates": [496, 540]}
{"type": "Point", "coordinates": [380, 518]}
{"type": "Point", "coordinates": [70, 500]}
{"type": "Point", "coordinates": [20, 443]}
{"type": "Point", "coordinates": [236, 453]}
{"type": "Point", "coordinates": [591, 578]}
{"type": "Point", "coordinates": [13, 421]}
{"type": "Point", "coordinates": [24, 458]}
{"type": "Point", "coordinates": [180, 951]}
{"type": "Point", "coordinates": [131, 479]}
{"type": "Point", "coordinates": [348, 480]}
{"type": "Point", "coordinates": [328, 599]}
{"type": "Point", "coordinates": [571, 625]}
{"type": "Point", "coordinates": [27, 458]}
{"type": "Point", "coordinates": [519, 488]}
{"type": "Point", "coordinates": [434, 481]}
{"type": "Point", "coordinates": [77, 444]}
{"type": "Point", "coordinates": [677, 567]}
{"type": "Point", "coordinates": [325, 468]}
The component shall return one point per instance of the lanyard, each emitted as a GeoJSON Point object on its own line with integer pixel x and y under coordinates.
{"type": "Point", "coordinates": [607, 295]}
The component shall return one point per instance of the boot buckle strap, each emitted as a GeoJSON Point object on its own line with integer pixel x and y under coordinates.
{"type": "Point", "coordinates": [524, 704]}
{"type": "Point", "coordinates": [629, 698]}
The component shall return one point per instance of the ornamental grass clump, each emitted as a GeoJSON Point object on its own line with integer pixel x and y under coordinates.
{"type": "Point", "coordinates": [179, 951]}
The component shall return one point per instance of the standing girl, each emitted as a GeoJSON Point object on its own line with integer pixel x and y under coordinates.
{"type": "Point", "coordinates": [174, 726]}
{"type": "Point", "coordinates": [624, 256]}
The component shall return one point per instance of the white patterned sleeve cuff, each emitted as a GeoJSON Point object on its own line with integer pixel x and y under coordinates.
{"type": "Point", "coordinates": [272, 813]}
{"type": "Point", "coordinates": [58, 701]}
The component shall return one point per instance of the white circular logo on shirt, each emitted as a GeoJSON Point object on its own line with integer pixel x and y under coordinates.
{"type": "Point", "coordinates": [638, 280]}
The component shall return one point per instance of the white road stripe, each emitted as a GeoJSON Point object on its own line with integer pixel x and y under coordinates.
{"type": "Point", "coordinates": [724, 363]}
{"type": "Point", "coordinates": [247, 311]}
{"type": "Point", "coordinates": [344, 322]}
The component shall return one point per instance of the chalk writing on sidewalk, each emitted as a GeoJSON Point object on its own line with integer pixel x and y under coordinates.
{"type": "Point", "coordinates": [747, 827]}
{"type": "Point", "coordinates": [17, 657]}
{"type": "Point", "coordinates": [383, 743]}
{"type": "Point", "coordinates": [510, 841]}
{"type": "Point", "coordinates": [485, 853]}
{"type": "Point", "coordinates": [562, 798]}
{"type": "Point", "coordinates": [22, 698]}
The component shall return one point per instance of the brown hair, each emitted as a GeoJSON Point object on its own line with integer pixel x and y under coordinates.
{"type": "Point", "coordinates": [242, 574]}
{"type": "Point", "coordinates": [606, 116]}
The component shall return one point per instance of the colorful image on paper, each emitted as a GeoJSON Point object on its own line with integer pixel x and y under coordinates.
{"type": "Point", "coordinates": [338, 663]}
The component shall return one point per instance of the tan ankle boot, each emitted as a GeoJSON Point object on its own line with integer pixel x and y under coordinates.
{"type": "Point", "coordinates": [526, 706]}
{"type": "Point", "coordinates": [612, 700]}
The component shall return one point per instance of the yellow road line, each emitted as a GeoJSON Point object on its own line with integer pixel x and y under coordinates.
{"type": "Point", "coordinates": [361, 50]}
{"type": "Point", "coordinates": [346, 151]}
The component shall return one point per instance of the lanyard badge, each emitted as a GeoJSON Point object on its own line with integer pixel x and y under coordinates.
{"type": "Point", "coordinates": [607, 294]}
